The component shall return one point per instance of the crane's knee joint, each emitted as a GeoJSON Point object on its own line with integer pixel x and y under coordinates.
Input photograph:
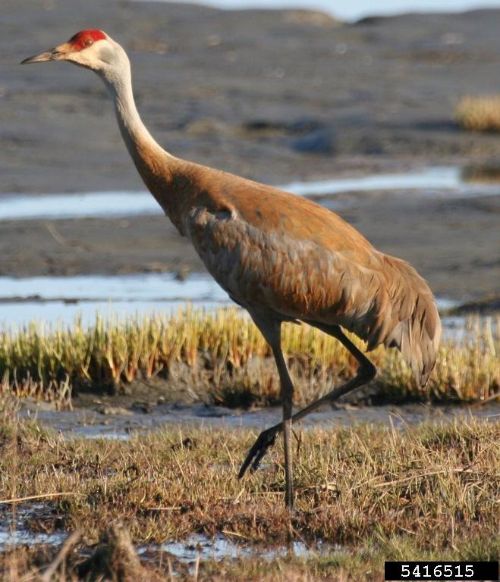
{"type": "Point", "coordinates": [367, 371]}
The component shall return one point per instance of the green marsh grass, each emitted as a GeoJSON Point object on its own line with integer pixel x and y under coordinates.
{"type": "Point", "coordinates": [429, 491]}
{"type": "Point", "coordinates": [222, 358]}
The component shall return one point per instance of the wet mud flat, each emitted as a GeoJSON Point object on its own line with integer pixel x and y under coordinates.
{"type": "Point", "coordinates": [117, 417]}
{"type": "Point", "coordinates": [266, 94]}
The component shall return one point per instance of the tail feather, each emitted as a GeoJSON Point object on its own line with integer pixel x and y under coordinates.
{"type": "Point", "coordinates": [385, 301]}
{"type": "Point", "coordinates": [417, 327]}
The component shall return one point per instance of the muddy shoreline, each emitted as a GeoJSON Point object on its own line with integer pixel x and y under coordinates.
{"type": "Point", "coordinates": [266, 94]}
{"type": "Point", "coordinates": [116, 417]}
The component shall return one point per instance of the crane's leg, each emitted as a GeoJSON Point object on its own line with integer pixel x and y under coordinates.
{"type": "Point", "coordinates": [366, 372]}
{"type": "Point", "coordinates": [271, 330]}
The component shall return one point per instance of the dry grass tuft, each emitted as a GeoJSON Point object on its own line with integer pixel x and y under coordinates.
{"type": "Point", "coordinates": [115, 558]}
{"type": "Point", "coordinates": [479, 113]}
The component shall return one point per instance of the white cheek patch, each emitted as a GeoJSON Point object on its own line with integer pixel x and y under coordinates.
{"type": "Point", "coordinates": [92, 55]}
{"type": "Point", "coordinates": [104, 52]}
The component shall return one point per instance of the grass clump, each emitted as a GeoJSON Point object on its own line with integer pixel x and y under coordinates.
{"type": "Point", "coordinates": [370, 493]}
{"type": "Point", "coordinates": [222, 358]}
{"type": "Point", "coordinates": [479, 113]}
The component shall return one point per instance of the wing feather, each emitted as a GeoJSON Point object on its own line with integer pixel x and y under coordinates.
{"type": "Point", "coordinates": [271, 250]}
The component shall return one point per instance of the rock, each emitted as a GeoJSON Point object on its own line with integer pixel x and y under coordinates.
{"type": "Point", "coordinates": [319, 142]}
{"type": "Point", "coordinates": [114, 411]}
{"type": "Point", "coordinates": [299, 126]}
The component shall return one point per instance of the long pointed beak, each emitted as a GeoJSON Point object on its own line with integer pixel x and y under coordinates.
{"type": "Point", "coordinates": [56, 54]}
{"type": "Point", "coordinates": [41, 58]}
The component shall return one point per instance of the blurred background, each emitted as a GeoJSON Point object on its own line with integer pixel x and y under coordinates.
{"type": "Point", "coordinates": [385, 112]}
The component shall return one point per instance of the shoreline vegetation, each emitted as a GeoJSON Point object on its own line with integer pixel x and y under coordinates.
{"type": "Point", "coordinates": [365, 494]}
{"type": "Point", "coordinates": [220, 357]}
{"type": "Point", "coordinates": [479, 113]}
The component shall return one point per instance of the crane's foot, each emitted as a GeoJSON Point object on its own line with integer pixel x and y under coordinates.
{"type": "Point", "coordinates": [265, 440]}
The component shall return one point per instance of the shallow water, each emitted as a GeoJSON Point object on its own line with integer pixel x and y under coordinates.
{"type": "Point", "coordinates": [353, 9]}
{"type": "Point", "coordinates": [14, 530]}
{"type": "Point", "coordinates": [56, 301]}
{"type": "Point", "coordinates": [137, 287]}
{"type": "Point", "coordinates": [58, 313]}
{"type": "Point", "coordinates": [25, 537]}
{"type": "Point", "coordinates": [436, 181]}
{"type": "Point", "coordinates": [436, 178]}
{"type": "Point", "coordinates": [222, 547]}
{"type": "Point", "coordinates": [59, 300]}
{"type": "Point", "coordinates": [188, 551]}
{"type": "Point", "coordinates": [91, 424]}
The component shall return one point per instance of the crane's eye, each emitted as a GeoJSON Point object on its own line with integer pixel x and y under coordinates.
{"type": "Point", "coordinates": [89, 42]}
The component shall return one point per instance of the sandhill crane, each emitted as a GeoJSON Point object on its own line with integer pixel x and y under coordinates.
{"type": "Point", "coordinates": [281, 257]}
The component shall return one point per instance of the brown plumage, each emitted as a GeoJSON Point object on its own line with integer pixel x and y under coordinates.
{"type": "Point", "coordinates": [281, 257]}
{"type": "Point", "coordinates": [301, 261]}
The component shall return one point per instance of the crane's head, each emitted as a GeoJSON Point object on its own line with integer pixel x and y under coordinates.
{"type": "Point", "coordinates": [92, 49]}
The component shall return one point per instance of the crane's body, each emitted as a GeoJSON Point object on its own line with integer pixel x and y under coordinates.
{"type": "Point", "coordinates": [271, 250]}
{"type": "Point", "coordinates": [281, 257]}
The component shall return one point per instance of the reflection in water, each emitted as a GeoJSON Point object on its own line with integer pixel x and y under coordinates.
{"type": "Point", "coordinates": [196, 546]}
{"type": "Point", "coordinates": [54, 314]}
{"type": "Point", "coordinates": [447, 178]}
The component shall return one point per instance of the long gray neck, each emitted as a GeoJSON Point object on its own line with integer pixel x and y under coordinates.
{"type": "Point", "coordinates": [156, 167]}
{"type": "Point", "coordinates": [137, 138]}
